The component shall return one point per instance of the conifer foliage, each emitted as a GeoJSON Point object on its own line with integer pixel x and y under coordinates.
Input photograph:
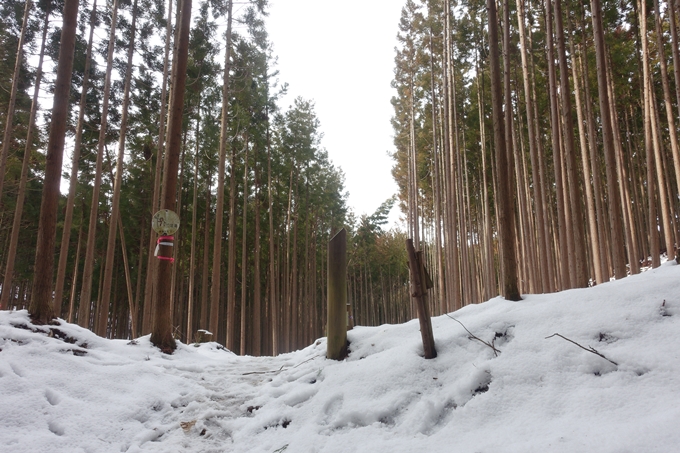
{"type": "Point", "coordinates": [535, 149]}
{"type": "Point", "coordinates": [576, 98]}
{"type": "Point", "coordinates": [282, 196]}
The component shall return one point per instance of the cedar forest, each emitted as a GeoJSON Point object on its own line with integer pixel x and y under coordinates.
{"type": "Point", "coordinates": [535, 150]}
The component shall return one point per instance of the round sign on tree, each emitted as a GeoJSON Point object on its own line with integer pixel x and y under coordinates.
{"type": "Point", "coordinates": [165, 221]}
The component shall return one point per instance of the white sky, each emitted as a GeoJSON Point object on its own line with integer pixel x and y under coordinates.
{"type": "Point", "coordinates": [341, 56]}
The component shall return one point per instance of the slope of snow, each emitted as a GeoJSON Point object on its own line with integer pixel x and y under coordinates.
{"type": "Point", "coordinates": [63, 389]}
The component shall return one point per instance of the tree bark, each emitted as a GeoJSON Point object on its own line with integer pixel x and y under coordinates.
{"type": "Point", "coordinates": [73, 183]}
{"type": "Point", "coordinates": [577, 224]}
{"type": "Point", "coordinates": [9, 121]}
{"type": "Point", "coordinates": [244, 258]}
{"type": "Point", "coordinates": [40, 308]}
{"type": "Point", "coordinates": [115, 204]}
{"type": "Point", "coordinates": [615, 211]}
{"type": "Point", "coordinates": [161, 336]}
{"type": "Point", "coordinates": [536, 185]}
{"type": "Point", "coordinates": [21, 195]}
{"type": "Point", "coordinates": [147, 316]}
{"type": "Point", "coordinates": [503, 192]}
{"type": "Point", "coordinates": [192, 257]}
{"type": "Point", "coordinates": [219, 208]}
{"type": "Point", "coordinates": [88, 269]}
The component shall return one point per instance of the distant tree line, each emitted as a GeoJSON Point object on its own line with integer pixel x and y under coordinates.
{"type": "Point", "coordinates": [537, 142]}
{"type": "Point", "coordinates": [257, 195]}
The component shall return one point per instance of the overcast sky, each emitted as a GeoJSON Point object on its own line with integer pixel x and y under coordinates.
{"type": "Point", "coordinates": [341, 56]}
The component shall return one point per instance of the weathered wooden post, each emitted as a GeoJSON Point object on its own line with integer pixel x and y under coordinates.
{"type": "Point", "coordinates": [336, 320]}
{"type": "Point", "coordinates": [420, 283]}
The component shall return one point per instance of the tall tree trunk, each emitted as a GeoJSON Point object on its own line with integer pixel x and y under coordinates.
{"type": "Point", "coordinates": [629, 229]}
{"type": "Point", "coordinates": [73, 183]}
{"type": "Point", "coordinates": [504, 191]}
{"type": "Point", "coordinates": [206, 260]}
{"type": "Point", "coordinates": [115, 204]}
{"type": "Point", "coordinates": [273, 305]}
{"type": "Point", "coordinates": [128, 281]}
{"type": "Point", "coordinates": [244, 257]}
{"type": "Point", "coordinates": [232, 338]}
{"type": "Point", "coordinates": [40, 308]}
{"type": "Point", "coordinates": [74, 280]}
{"type": "Point", "coordinates": [441, 308]}
{"type": "Point", "coordinates": [257, 282]}
{"type": "Point", "coordinates": [147, 316]}
{"type": "Point", "coordinates": [192, 258]}
{"type": "Point", "coordinates": [453, 289]}
{"type": "Point", "coordinates": [672, 8]}
{"type": "Point", "coordinates": [219, 208]}
{"type": "Point", "coordinates": [161, 336]}
{"type": "Point", "coordinates": [605, 255]}
{"type": "Point", "coordinates": [672, 130]}
{"type": "Point", "coordinates": [650, 122]}
{"type": "Point", "coordinates": [615, 211]}
{"type": "Point", "coordinates": [566, 267]}
{"type": "Point", "coordinates": [577, 224]}
{"type": "Point", "coordinates": [536, 185]}
{"type": "Point", "coordinates": [654, 247]}
{"type": "Point", "coordinates": [9, 120]}
{"type": "Point", "coordinates": [590, 197]}
{"type": "Point", "coordinates": [21, 195]}
{"type": "Point", "coordinates": [88, 269]}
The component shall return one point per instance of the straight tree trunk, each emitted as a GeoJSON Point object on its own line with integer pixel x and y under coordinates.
{"type": "Point", "coordinates": [504, 194]}
{"type": "Point", "coordinates": [73, 183]}
{"type": "Point", "coordinates": [615, 211]}
{"type": "Point", "coordinates": [219, 208]}
{"type": "Point", "coordinates": [650, 121]}
{"type": "Point", "coordinates": [9, 121]}
{"type": "Point", "coordinates": [161, 336]}
{"type": "Point", "coordinates": [231, 341]}
{"type": "Point", "coordinates": [629, 230]}
{"type": "Point", "coordinates": [437, 190]}
{"type": "Point", "coordinates": [74, 280]}
{"type": "Point", "coordinates": [115, 204]}
{"type": "Point", "coordinates": [590, 197]}
{"type": "Point", "coordinates": [577, 224]}
{"type": "Point", "coordinates": [88, 269]}
{"type": "Point", "coordinates": [536, 186]}
{"type": "Point", "coordinates": [672, 8]}
{"type": "Point", "coordinates": [273, 305]}
{"type": "Point", "coordinates": [450, 232]}
{"type": "Point", "coordinates": [147, 316]}
{"type": "Point", "coordinates": [128, 281]}
{"type": "Point", "coordinates": [205, 291]}
{"type": "Point", "coordinates": [257, 279]}
{"type": "Point", "coordinates": [598, 193]}
{"type": "Point", "coordinates": [192, 258]}
{"type": "Point", "coordinates": [652, 212]}
{"type": "Point", "coordinates": [566, 267]}
{"type": "Point", "coordinates": [21, 195]}
{"type": "Point", "coordinates": [672, 130]}
{"type": "Point", "coordinates": [40, 308]}
{"type": "Point", "coordinates": [244, 257]}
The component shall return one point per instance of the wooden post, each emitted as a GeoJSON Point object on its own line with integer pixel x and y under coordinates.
{"type": "Point", "coordinates": [337, 297]}
{"type": "Point", "coordinates": [420, 283]}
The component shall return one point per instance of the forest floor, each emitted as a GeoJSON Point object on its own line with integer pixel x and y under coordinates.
{"type": "Point", "coordinates": [63, 389]}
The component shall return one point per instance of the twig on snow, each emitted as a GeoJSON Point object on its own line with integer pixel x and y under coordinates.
{"type": "Point", "coordinates": [589, 348]}
{"type": "Point", "coordinates": [472, 336]}
{"type": "Point", "coordinates": [280, 369]}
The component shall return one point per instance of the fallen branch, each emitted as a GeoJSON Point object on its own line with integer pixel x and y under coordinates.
{"type": "Point", "coordinates": [589, 348]}
{"type": "Point", "coordinates": [280, 369]}
{"type": "Point", "coordinates": [474, 337]}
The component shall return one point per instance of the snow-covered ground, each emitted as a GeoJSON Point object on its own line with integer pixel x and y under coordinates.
{"type": "Point", "coordinates": [72, 391]}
